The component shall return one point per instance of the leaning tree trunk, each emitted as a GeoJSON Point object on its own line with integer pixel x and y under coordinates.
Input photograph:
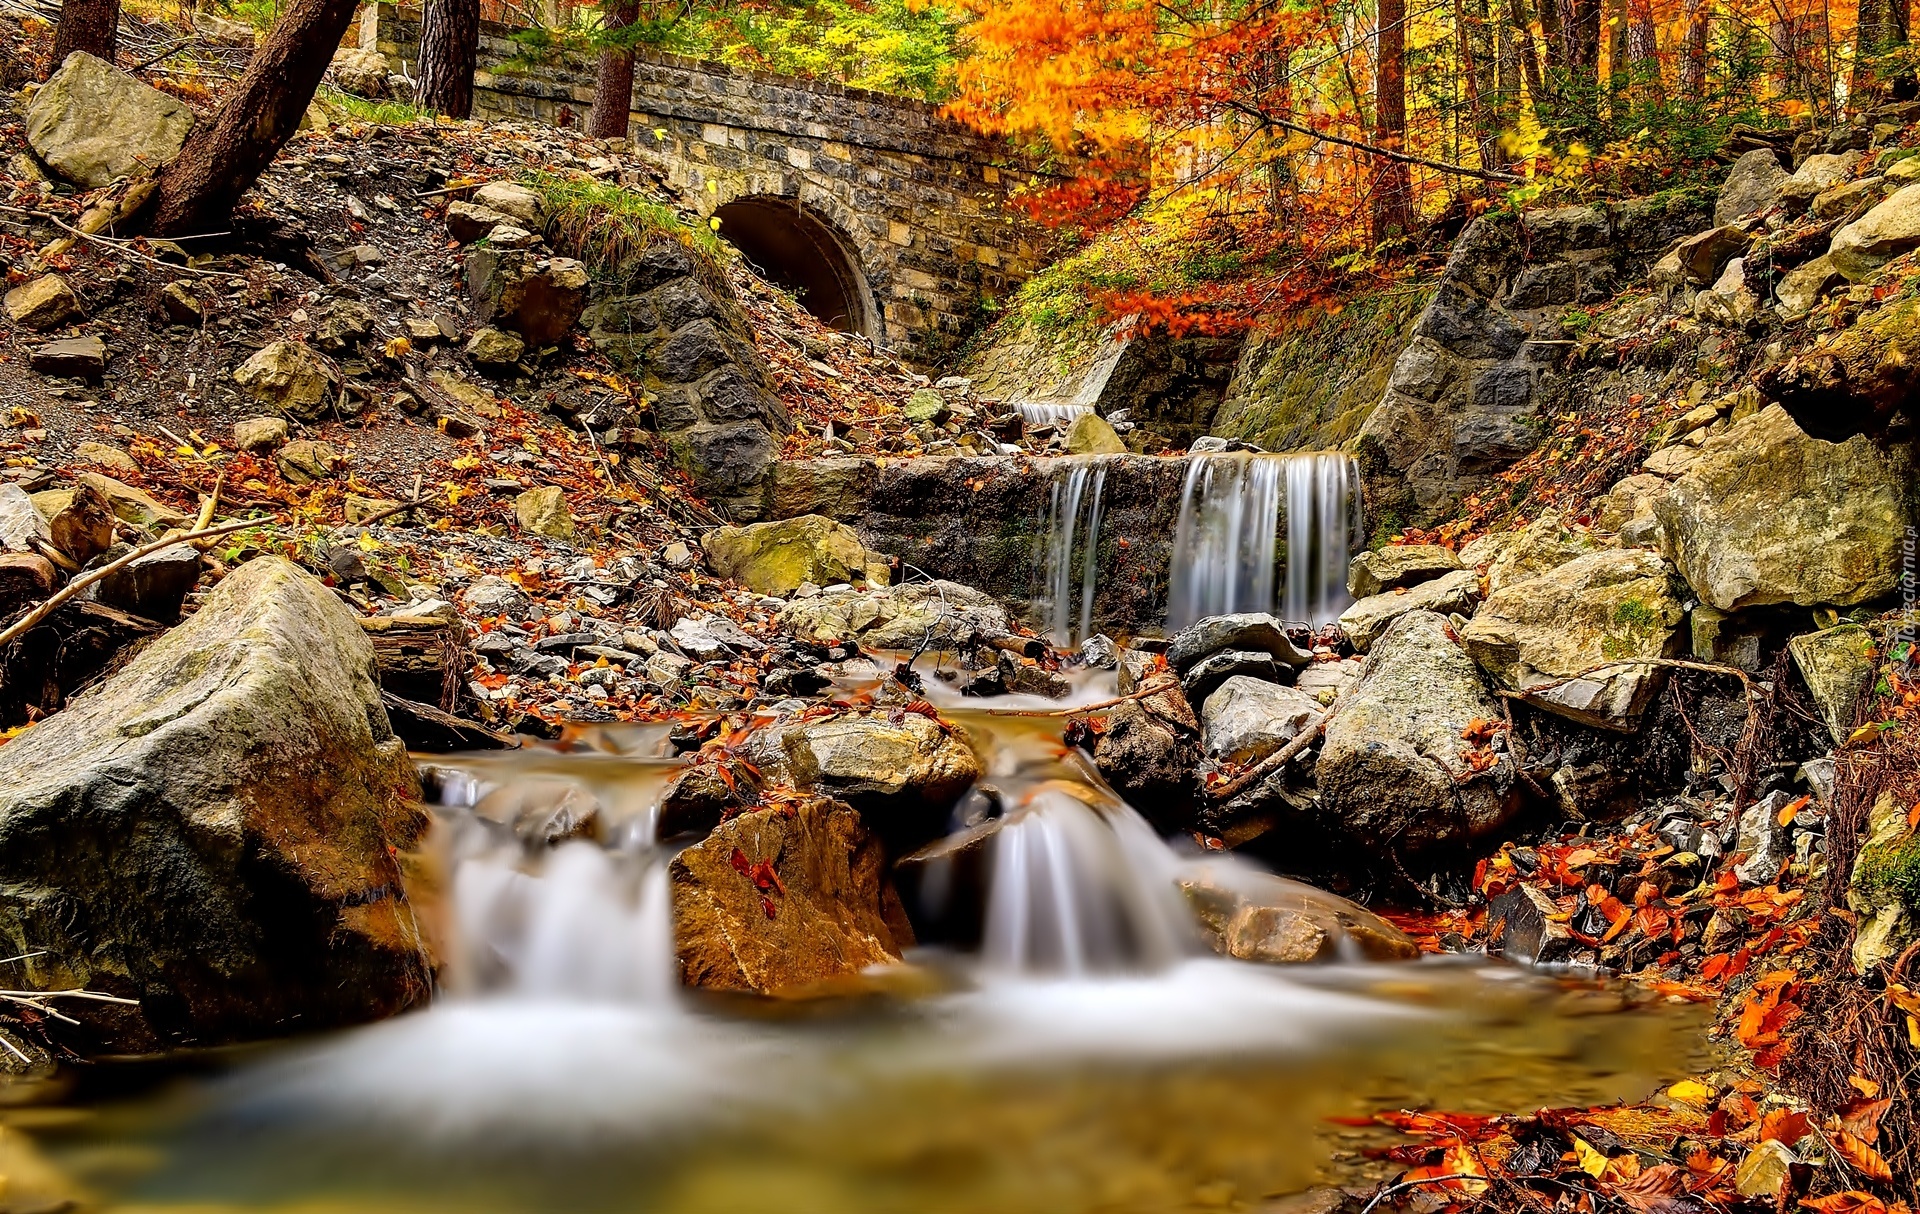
{"type": "Point", "coordinates": [1392, 184]}
{"type": "Point", "coordinates": [92, 26]}
{"type": "Point", "coordinates": [613, 89]}
{"type": "Point", "coordinates": [449, 52]}
{"type": "Point", "coordinates": [223, 158]}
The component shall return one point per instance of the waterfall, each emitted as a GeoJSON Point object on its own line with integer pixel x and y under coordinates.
{"type": "Point", "coordinates": [1081, 890]}
{"type": "Point", "coordinates": [1034, 416]}
{"type": "Point", "coordinates": [1073, 516]}
{"type": "Point", "coordinates": [587, 918]}
{"type": "Point", "coordinates": [1225, 544]}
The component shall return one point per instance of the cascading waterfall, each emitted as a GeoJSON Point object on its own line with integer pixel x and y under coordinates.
{"type": "Point", "coordinates": [1073, 518]}
{"type": "Point", "coordinates": [1078, 890]}
{"type": "Point", "coordinates": [1033, 416]}
{"type": "Point", "coordinates": [587, 918]}
{"type": "Point", "coordinates": [1225, 544]}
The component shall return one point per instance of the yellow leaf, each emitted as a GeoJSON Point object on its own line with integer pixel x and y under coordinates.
{"type": "Point", "coordinates": [1903, 997]}
{"type": "Point", "coordinates": [466, 463]}
{"type": "Point", "coordinates": [1866, 733]}
{"type": "Point", "coordinates": [212, 449]}
{"type": "Point", "coordinates": [1691, 1091]}
{"type": "Point", "coordinates": [368, 543]}
{"type": "Point", "coordinates": [714, 223]}
{"type": "Point", "coordinates": [1592, 1162]}
{"type": "Point", "coordinates": [187, 451]}
{"type": "Point", "coordinates": [398, 347]}
{"type": "Point", "coordinates": [1913, 1032]}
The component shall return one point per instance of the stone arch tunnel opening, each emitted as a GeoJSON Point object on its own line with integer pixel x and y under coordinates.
{"type": "Point", "coordinates": [791, 246]}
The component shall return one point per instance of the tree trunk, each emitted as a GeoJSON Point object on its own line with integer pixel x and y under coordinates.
{"type": "Point", "coordinates": [1693, 57]}
{"type": "Point", "coordinates": [1392, 184]}
{"type": "Point", "coordinates": [223, 158]}
{"type": "Point", "coordinates": [1529, 53]}
{"type": "Point", "coordinates": [449, 52]}
{"type": "Point", "coordinates": [92, 26]}
{"type": "Point", "coordinates": [1643, 50]}
{"type": "Point", "coordinates": [613, 89]}
{"type": "Point", "coordinates": [1478, 71]}
{"type": "Point", "coordinates": [1882, 27]}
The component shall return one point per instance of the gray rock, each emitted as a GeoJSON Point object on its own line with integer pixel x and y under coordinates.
{"type": "Point", "coordinates": [1150, 762]}
{"type": "Point", "coordinates": [77, 357]}
{"type": "Point", "coordinates": [1211, 671]}
{"type": "Point", "coordinates": [1882, 234]}
{"type": "Point", "coordinates": [946, 615]}
{"type": "Point", "coordinates": [1752, 187]}
{"type": "Point", "coordinates": [290, 377]}
{"type": "Point", "coordinates": [153, 586]}
{"type": "Point", "coordinates": [903, 776]}
{"type": "Point", "coordinates": [1806, 285]}
{"type": "Point", "coordinates": [1817, 173]}
{"type": "Point", "coordinates": [1254, 630]}
{"type": "Point", "coordinates": [1363, 622]}
{"type": "Point", "coordinates": [213, 829]}
{"type": "Point", "coordinates": [496, 596]}
{"type": "Point", "coordinates": [539, 298]}
{"type": "Point", "coordinates": [468, 222]}
{"type": "Point", "coordinates": [20, 523]}
{"type": "Point", "coordinates": [1838, 665]}
{"type": "Point", "coordinates": [1099, 652]}
{"type": "Point", "coordinates": [1764, 514]}
{"type": "Point", "coordinates": [91, 122]}
{"type": "Point", "coordinates": [1705, 255]}
{"type": "Point", "coordinates": [1247, 719]}
{"type": "Point", "coordinates": [1392, 567]}
{"type": "Point", "coordinates": [1603, 607]}
{"type": "Point", "coordinates": [1391, 770]}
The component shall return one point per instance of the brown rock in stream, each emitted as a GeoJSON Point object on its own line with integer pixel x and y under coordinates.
{"type": "Point", "coordinates": [782, 899]}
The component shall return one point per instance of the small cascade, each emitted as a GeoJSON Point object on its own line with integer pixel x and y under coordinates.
{"type": "Point", "coordinates": [1073, 531]}
{"type": "Point", "coordinates": [1226, 543]}
{"type": "Point", "coordinates": [586, 918]}
{"type": "Point", "coordinates": [1078, 889]}
{"type": "Point", "coordinates": [1033, 416]}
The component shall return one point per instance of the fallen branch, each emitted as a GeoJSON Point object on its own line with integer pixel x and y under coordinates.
{"type": "Point", "coordinates": [1407, 1185]}
{"type": "Point", "coordinates": [72, 589]}
{"type": "Point", "coordinates": [390, 511]}
{"type": "Point", "coordinates": [1275, 761]}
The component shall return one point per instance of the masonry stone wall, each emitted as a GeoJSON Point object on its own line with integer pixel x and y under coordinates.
{"type": "Point", "coordinates": [918, 202]}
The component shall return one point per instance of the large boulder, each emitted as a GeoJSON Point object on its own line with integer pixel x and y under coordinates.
{"type": "Point", "coordinates": [46, 302]}
{"type": "Point", "coordinates": [777, 558]}
{"type": "Point", "coordinates": [363, 73]}
{"type": "Point", "coordinates": [1363, 622]}
{"type": "Point", "coordinates": [944, 615]}
{"type": "Point", "coordinates": [213, 830]}
{"type": "Point", "coordinates": [91, 122]}
{"type": "Point", "coordinates": [1603, 607]}
{"type": "Point", "coordinates": [1817, 174]}
{"type": "Point", "coordinates": [1879, 236]}
{"type": "Point", "coordinates": [1764, 514]}
{"type": "Point", "coordinates": [903, 771]}
{"type": "Point", "coordinates": [291, 377]}
{"type": "Point", "coordinates": [1397, 768]}
{"type": "Point", "coordinates": [1753, 185]}
{"type": "Point", "coordinates": [782, 899]}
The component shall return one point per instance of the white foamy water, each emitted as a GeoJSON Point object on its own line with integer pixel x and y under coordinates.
{"type": "Point", "coordinates": [1050, 414]}
{"type": "Point", "coordinates": [1074, 513]}
{"type": "Point", "coordinates": [1226, 546]}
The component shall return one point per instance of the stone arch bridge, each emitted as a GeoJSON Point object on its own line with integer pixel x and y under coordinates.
{"type": "Point", "coordinates": [884, 218]}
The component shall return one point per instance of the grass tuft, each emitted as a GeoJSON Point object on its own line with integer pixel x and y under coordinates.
{"type": "Point", "coordinates": [606, 226]}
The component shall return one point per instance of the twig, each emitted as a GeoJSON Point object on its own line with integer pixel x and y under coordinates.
{"type": "Point", "coordinates": [1142, 694]}
{"type": "Point", "coordinates": [168, 53]}
{"type": "Point", "coordinates": [120, 246]}
{"type": "Point", "coordinates": [390, 511]}
{"type": "Point", "coordinates": [72, 589]}
{"type": "Point", "coordinates": [1406, 1185]}
{"type": "Point", "coordinates": [212, 502]}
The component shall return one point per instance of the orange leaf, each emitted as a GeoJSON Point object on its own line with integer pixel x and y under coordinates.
{"type": "Point", "coordinates": [1853, 1202]}
{"type": "Point", "coordinates": [1869, 1162]}
{"type": "Point", "coordinates": [1784, 1126]}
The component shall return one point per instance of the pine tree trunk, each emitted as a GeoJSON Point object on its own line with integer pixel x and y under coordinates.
{"type": "Point", "coordinates": [449, 52]}
{"type": "Point", "coordinates": [1529, 53]}
{"type": "Point", "coordinates": [1478, 70]}
{"type": "Point", "coordinates": [1392, 184]}
{"type": "Point", "coordinates": [223, 158]}
{"type": "Point", "coordinates": [613, 89]}
{"type": "Point", "coordinates": [1882, 27]}
{"type": "Point", "coordinates": [1693, 58]}
{"type": "Point", "coordinates": [92, 26]}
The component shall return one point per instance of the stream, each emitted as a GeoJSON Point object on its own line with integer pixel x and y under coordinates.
{"type": "Point", "coordinates": [1091, 1055]}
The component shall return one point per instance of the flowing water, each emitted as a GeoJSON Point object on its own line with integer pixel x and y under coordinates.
{"type": "Point", "coordinates": [1088, 1055]}
{"type": "Point", "coordinates": [1033, 416]}
{"type": "Point", "coordinates": [1074, 511]}
{"type": "Point", "coordinates": [1227, 555]}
